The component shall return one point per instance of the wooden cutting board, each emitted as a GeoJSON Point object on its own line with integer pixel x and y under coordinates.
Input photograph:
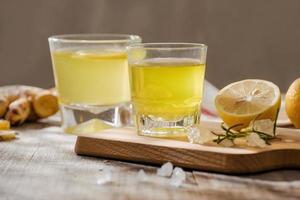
{"type": "Point", "coordinates": [125, 144]}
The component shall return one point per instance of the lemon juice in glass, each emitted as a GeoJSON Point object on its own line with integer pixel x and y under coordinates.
{"type": "Point", "coordinates": [91, 76]}
{"type": "Point", "coordinates": [167, 87]}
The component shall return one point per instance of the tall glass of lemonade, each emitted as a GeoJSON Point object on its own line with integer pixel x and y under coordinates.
{"type": "Point", "coordinates": [167, 87]}
{"type": "Point", "coordinates": [91, 76]}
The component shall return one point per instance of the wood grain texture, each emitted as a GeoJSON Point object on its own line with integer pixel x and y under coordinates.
{"type": "Point", "coordinates": [125, 144]}
{"type": "Point", "coordinates": [41, 164]}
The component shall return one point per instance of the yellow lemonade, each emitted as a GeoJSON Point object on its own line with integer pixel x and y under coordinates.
{"type": "Point", "coordinates": [91, 77]}
{"type": "Point", "coordinates": [167, 88]}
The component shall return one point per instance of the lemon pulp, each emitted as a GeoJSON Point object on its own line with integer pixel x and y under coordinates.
{"type": "Point", "coordinates": [243, 101]}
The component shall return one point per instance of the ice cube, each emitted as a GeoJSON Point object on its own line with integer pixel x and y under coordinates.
{"type": "Point", "coordinates": [165, 170]}
{"type": "Point", "coordinates": [199, 135]}
{"type": "Point", "coordinates": [178, 177]}
{"type": "Point", "coordinates": [179, 172]}
{"type": "Point", "coordinates": [105, 177]}
{"type": "Point", "coordinates": [142, 176]}
{"type": "Point", "coordinates": [254, 140]}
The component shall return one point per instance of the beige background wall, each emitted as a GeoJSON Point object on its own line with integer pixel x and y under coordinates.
{"type": "Point", "coordinates": [246, 38]}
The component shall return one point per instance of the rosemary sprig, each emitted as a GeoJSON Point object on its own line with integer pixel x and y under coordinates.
{"type": "Point", "coordinates": [231, 134]}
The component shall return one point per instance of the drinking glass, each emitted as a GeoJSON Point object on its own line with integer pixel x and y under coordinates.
{"type": "Point", "coordinates": [166, 87]}
{"type": "Point", "coordinates": [91, 76]}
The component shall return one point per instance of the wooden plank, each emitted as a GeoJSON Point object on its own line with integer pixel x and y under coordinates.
{"type": "Point", "coordinates": [42, 164]}
{"type": "Point", "coordinates": [125, 144]}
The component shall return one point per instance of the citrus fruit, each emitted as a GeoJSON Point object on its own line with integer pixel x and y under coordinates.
{"type": "Point", "coordinates": [243, 101]}
{"type": "Point", "coordinates": [292, 103]}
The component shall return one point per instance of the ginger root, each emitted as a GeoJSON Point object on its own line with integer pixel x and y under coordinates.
{"type": "Point", "coordinates": [25, 103]}
{"type": "Point", "coordinates": [4, 124]}
{"type": "Point", "coordinates": [3, 106]}
{"type": "Point", "coordinates": [5, 132]}
{"type": "Point", "coordinates": [7, 135]}
{"type": "Point", "coordinates": [45, 104]}
{"type": "Point", "coordinates": [18, 111]}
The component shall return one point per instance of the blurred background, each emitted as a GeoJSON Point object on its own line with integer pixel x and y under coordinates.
{"type": "Point", "coordinates": [246, 39]}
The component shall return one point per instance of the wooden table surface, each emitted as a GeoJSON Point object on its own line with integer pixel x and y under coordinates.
{"type": "Point", "coordinates": [41, 164]}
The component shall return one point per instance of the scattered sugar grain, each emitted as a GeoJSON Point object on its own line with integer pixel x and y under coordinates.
{"type": "Point", "coordinates": [165, 170]}
{"type": "Point", "coordinates": [142, 176]}
{"type": "Point", "coordinates": [105, 176]}
{"type": "Point", "coordinates": [178, 177]}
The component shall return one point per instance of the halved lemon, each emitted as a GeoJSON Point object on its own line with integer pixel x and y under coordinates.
{"type": "Point", "coordinates": [243, 101]}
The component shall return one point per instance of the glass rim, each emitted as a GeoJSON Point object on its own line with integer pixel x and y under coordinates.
{"type": "Point", "coordinates": [168, 46]}
{"type": "Point", "coordinates": [102, 38]}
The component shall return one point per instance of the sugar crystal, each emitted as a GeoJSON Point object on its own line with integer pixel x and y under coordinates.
{"type": "Point", "coordinates": [254, 140]}
{"type": "Point", "coordinates": [199, 135]}
{"type": "Point", "coordinates": [105, 177]}
{"type": "Point", "coordinates": [263, 125]}
{"type": "Point", "coordinates": [178, 177]}
{"type": "Point", "coordinates": [165, 170]}
{"type": "Point", "coordinates": [142, 176]}
{"type": "Point", "coordinates": [227, 143]}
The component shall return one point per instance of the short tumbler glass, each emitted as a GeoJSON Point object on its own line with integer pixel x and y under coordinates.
{"type": "Point", "coordinates": [166, 87]}
{"type": "Point", "coordinates": [91, 76]}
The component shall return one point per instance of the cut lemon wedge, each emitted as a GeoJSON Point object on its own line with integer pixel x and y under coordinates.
{"type": "Point", "coordinates": [243, 101]}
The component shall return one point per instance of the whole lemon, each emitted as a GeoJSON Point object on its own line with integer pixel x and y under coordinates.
{"type": "Point", "coordinates": [292, 103]}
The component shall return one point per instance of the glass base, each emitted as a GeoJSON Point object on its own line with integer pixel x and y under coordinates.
{"type": "Point", "coordinates": [149, 125]}
{"type": "Point", "coordinates": [115, 116]}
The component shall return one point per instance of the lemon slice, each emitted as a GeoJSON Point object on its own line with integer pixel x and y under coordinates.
{"type": "Point", "coordinates": [243, 101]}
